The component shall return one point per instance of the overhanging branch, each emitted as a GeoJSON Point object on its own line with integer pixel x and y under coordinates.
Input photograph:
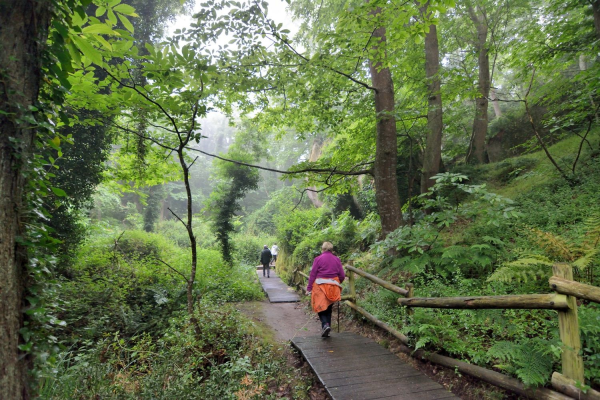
{"type": "Point", "coordinates": [327, 171]}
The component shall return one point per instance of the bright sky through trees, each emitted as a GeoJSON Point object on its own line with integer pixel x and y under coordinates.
{"type": "Point", "coordinates": [277, 11]}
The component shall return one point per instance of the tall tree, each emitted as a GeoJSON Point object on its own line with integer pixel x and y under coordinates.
{"type": "Point", "coordinates": [432, 155]}
{"type": "Point", "coordinates": [478, 16]}
{"type": "Point", "coordinates": [23, 31]}
{"type": "Point", "coordinates": [386, 153]}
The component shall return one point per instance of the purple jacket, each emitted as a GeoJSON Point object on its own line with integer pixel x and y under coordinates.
{"type": "Point", "coordinates": [326, 266]}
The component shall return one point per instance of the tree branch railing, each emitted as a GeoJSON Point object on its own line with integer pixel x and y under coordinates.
{"type": "Point", "coordinates": [564, 301]}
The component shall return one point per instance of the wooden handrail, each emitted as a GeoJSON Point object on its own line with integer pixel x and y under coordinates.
{"type": "Point", "coordinates": [493, 377]}
{"type": "Point", "coordinates": [377, 280]}
{"type": "Point", "coordinates": [399, 335]}
{"type": "Point", "coordinates": [303, 274]}
{"type": "Point", "coordinates": [523, 301]}
{"type": "Point", "coordinates": [563, 301]}
{"type": "Point", "coordinates": [577, 289]}
{"type": "Point", "coordinates": [569, 387]}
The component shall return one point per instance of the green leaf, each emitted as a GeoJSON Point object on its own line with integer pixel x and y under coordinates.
{"type": "Point", "coordinates": [99, 28]}
{"type": "Point", "coordinates": [111, 17]}
{"type": "Point", "coordinates": [126, 23]}
{"type": "Point", "coordinates": [100, 11]}
{"type": "Point", "coordinates": [104, 43]}
{"type": "Point", "coordinates": [125, 9]}
{"type": "Point", "coordinates": [88, 50]}
{"type": "Point", "coordinates": [74, 52]}
{"type": "Point", "coordinates": [59, 192]}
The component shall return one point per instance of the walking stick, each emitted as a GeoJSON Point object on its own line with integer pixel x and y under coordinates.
{"type": "Point", "coordinates": [338, 317]}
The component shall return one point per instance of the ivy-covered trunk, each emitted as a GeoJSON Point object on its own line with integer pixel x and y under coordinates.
{"type": "Point", "coordinates": [23, 28]}
{"type": "Point", "coordinates": [384, 168]}
{"type": "Point", "coordinates": [432, 156]}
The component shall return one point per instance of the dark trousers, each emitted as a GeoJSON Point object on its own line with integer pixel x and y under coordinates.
{"type": "Point", "coordinates": [325, 316]}
{"type": "Point", "coordinates": [267, 267]}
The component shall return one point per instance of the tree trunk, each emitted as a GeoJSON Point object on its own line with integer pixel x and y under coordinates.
{"type": "Point", "coordinates": [596, 13]}
{"type": "Point", "coordinates": [433, 143]}
{"type": "Point", "coordinates": [384, 168]}
{"type": "Point", "coordinates": [315, 153]}
{"type": "Point", "coordinates": [495, 103]}
{"type": "Point", "coordinates": [480, 123]}
{"type": "Point", "coordinates": [189, 225]}
{"type": "Point", "coordinates": [23, 26]}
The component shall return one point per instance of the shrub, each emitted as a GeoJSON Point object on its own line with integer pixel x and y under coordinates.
{"type": "Point", "coordinates": [293, 227]}
{"type": "Point", "coordinates": [176, 232]}
{"type": "Point", "coordinates": [248, 248]}
{"type": "Point", "coordinates": [342, 233]}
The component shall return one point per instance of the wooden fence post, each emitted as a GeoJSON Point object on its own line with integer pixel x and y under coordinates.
{"type": "Point", "coordinates": [411, 293]}
{"type": "Point", "coordinates": [352, 287]}
{"type": "Point", "coordinates": [568, 325]}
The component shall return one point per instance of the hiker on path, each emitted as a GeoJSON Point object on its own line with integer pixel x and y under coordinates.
{"type": "Point", "coordinates": [274, 250]}
{"type": "Point", "coordinates": [265, 259]}
{"type": "Point", "coordinates": [324, 286]}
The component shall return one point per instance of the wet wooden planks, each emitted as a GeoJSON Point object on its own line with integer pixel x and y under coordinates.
{"type": "Point", "coordinates": [276, 290]}
{"type": "Point", "coordinates": [352, 367]}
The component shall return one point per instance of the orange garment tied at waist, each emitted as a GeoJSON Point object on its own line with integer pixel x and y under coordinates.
{"type": "Point", "coordinates": [325, 294]}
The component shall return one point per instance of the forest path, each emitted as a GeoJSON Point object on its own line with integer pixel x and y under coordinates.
{"type": "Point", "coordinates": [285, 320]}
{"type": "Point", "coordinates": [277, 291]}
{"type": "Point", "coordinates": [282, 312]}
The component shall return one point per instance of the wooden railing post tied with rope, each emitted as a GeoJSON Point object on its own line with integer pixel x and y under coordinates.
{"type": "Point", "coordinates": [564, 301]}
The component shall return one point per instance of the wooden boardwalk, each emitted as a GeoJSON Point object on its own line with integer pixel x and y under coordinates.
{"type": "Point", "coordinates": [352, 367]}
{"type": "Point", "coordinates": [276, 290]}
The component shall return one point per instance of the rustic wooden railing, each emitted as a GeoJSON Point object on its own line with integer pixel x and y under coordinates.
{"type": "Point", "coordinates": [564, 301]}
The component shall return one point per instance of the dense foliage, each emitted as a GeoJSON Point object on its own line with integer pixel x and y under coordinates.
{"type": "Point", "coordinates": [453, 145]}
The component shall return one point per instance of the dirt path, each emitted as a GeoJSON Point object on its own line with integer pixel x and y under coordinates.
{"type": "Point", "coordinates": [281, 322]}
{"type": "Point", "coordinates": [286, 320]}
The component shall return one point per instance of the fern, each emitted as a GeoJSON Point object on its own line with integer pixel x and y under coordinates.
{"type": "Point", "coordinates": [586, 260]}
{"type": "Point", "coordinates": [504, 351]}
{"type": "Point", "coordinates": [592, 237]}
{"type": "Point", "coordinates": [555, 246]}
{"type": "Point", "coordinates": [533, 266]}
{"type": "Point", "coordinates": [582, 257]}
{"type": "Point", "coordinates": [530, 360]}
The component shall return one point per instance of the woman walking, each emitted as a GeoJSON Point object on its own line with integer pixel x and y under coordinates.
{"type": "Point", "coordinates": [324, 286]}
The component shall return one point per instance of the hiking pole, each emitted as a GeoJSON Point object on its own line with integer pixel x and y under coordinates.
{"type": "Point", "coordinates": [338, 317]}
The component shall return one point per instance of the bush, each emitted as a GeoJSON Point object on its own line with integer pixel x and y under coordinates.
{"type": "Point", "coordinates": [176, 232]}
{"type": "Point", "coordinates": [342, 233]}
{"type": "Point", "coordinates": [294, 227]}
{"type": "Point", "coordinates": [264, 220]}
{"type": "Point", "coordinates": [247, 248]}
{"type": "Point", "coordinates": [125, 288]}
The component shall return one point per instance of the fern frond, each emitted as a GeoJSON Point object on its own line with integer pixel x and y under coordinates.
{"type": "Point", "coordinates": [529, 360]}
{"type": "Point", "coordinates": [533, 266]}
{"type": "Point", "coordinates": [533, 366]}
{"type": "Point", "coordinates": [530, 260]}
{"type": "Point", "coordinates": [585, 261]}
{"type": "Point", "coordinates": [554, 245]}
{"type": "Point", "coordinates": [503, 351]}
{"type": "Point", "coordinates": [592, 226]}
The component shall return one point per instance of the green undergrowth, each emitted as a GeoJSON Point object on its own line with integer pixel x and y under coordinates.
{"type": "Point", "coordinates": [125, 332]}
{"type": "Point", "coordinates": [216, 357]}
{"type": "Point", "coordinates": [123, 284]}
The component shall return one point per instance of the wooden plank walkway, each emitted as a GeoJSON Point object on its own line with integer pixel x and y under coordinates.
{"type": "Point", "coordinates": [352, 367]}
{"type": "Point", "coordinates": [276, 290]}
